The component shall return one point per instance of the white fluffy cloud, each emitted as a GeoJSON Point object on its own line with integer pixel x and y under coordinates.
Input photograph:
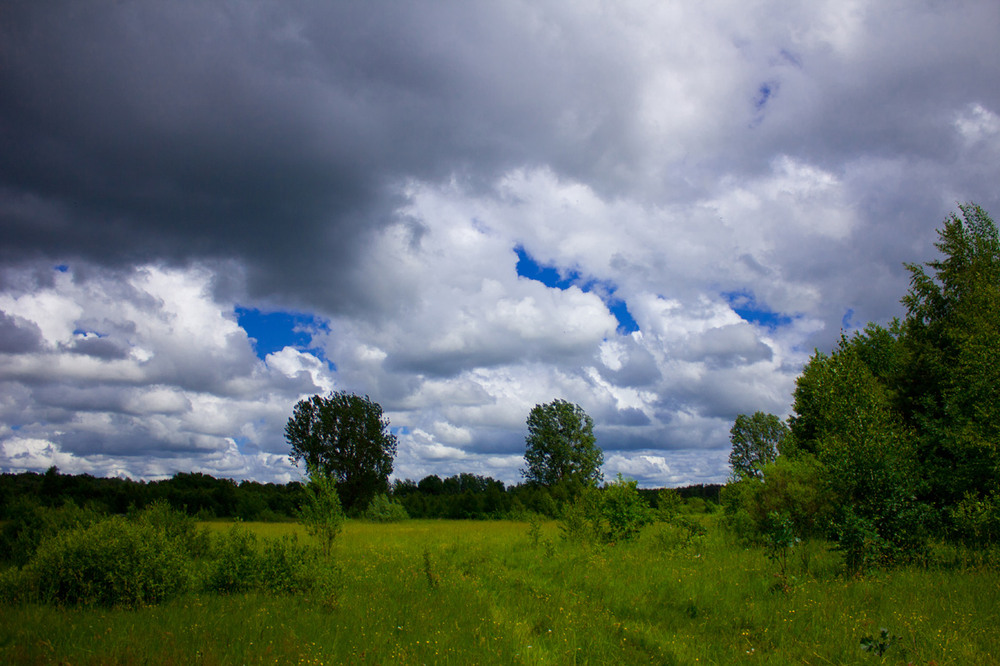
{"type": "Point", "coordinates": [144, 373]}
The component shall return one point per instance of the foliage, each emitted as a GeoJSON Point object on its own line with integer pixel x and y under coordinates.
{"type": "Point", "coordinates": [240, 563]}
{"type": "Point", "coordinates": [177, 526]}
{"type": "Point", "coordinates": [668, 503]}
{"type": "Point", "coordinates": [321, 512]}
{"type": "Point", "coordinates": [385, 510]}
{"type": "Point", "coordinates": [878, 645]}
{"type": "Point", "coordinates": [779, 539]}
{"type": "Point", "coordinates": [612, 514]}
{"type": "Point", "coordinates": [31, 523]}
{"type": "Point", "coordinates": [110, 563]}
{"type": "Point", "coordinates": [948, 389]}
{"type": "Point", "coordinates": [976, 520]}
{"type": "Point", "coordinates": [561, 450]}
{"type": "Point", "coordinates": [798, 488]}
{"type": "Point", "coordinates": [844, 416]}
{"type": "Point", "coordinates": [756, 440]}
{"type": "Point", "coordinates": [580, 518]}
{"type": "Point", "coordinates": [624, 512]}
{"type": "Point", "coordinates": [346, 437]}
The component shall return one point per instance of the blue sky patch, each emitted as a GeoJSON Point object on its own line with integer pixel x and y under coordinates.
{"type": "Point", "coordinates": [273, 331]}
{"type": "Point", "coordinates": [744, 303]}
{"type": "Point", "coordinates": [550, 276]}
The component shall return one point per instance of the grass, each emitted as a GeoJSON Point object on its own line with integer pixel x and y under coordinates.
{"type": "Point", "coordinates": [482, 592]}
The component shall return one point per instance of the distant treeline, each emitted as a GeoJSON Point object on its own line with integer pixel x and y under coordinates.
{"type": "Point", "coordinates": [462, 496]}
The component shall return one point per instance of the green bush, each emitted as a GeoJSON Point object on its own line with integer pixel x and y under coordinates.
{"type": "Point", "coordinates": [384, 510]}
{"type": "Point", "coordinates": [288, 567]}
{"type": "Point", "coordinates": [623, 510]}
{"type": "Point", "coordinates": [110, 563]}
{"type": "Point", "coordinates": [580, 519]}
{"type": "Point", "coordinates": [235, 565]}
{"type": "Point", "coordinates": [976, 520]}
{"type": "Point", "coordinates": [321, 511]}
{"type": "Point", "coordinates": [176, 525]}
{"type": "Point", "coordinates": [31, 523]}
{"type": "Point", "coordinates": [242, 564]}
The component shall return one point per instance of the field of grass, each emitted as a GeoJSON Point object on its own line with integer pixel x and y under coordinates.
{"type": "Point", "coordinates": [451, 592]}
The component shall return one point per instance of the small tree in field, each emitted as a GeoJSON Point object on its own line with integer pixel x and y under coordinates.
{"type": "Point", "coordinates": [625, 512]}
{"type": "Point", "coordinates": [321, 512]}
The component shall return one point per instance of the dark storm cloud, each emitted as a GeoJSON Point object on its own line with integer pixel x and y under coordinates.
{"type": "Point", "coordinates": [272, 134]}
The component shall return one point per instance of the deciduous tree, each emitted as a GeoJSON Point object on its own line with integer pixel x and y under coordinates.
{"type": "Point", "coordinates": [756, 440]}
{"type": "Point", "coordinates": [347, 438]}
{"type": "Point", "coordinates": [561, 448]}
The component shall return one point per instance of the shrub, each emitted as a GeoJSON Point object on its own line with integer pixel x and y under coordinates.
{"type": "Point", "coordinates": [110, 563]}
{"type": "Point", "coordinates": [678, 532]}
{"type": "Point", "coordinates": [279, 566]}
{"type": "Point", "coordinates": [976, 520]}
{"type": "Point", "coordinates": [287, 567]}
{"type": "Point", "coordinates": [580, 519]}
{"type": "Point", "coordinates": [321, 512]}
{"type": "Point", "coordinates": [384, 510]}
{"type": "Point", "coordinates": [32, 523]}
{"type": "Point", "coordinates": [176, 525]}
{"type": "Point", "coordinates": [624, 511]}
{"type": "Point", "coordinates": [235, 566]}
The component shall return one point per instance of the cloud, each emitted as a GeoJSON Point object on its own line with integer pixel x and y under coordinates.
{"type": "Point", "coordinates": [180, 179]}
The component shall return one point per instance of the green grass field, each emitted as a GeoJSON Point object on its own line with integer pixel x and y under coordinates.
{"type": "Point", "coordinates": [451, 592]}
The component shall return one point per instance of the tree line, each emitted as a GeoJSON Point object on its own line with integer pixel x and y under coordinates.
{"type": "Point", "coordinates": [894, 437]}
{"type": "Point", "coordinates": [462, 496]}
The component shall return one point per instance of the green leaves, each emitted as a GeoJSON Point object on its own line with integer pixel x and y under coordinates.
{"type": "Point", "coordinates": [321, 512]}
{"type": "Point", "coordinates": [561, 448]}
{"type": "Point", "coordinates": [347, 437]}
{"type": "Point", "coordinates": [756, 440]}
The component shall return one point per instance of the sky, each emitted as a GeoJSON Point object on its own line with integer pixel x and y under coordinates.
{"type": "Point", "coordinates": [656, 210]}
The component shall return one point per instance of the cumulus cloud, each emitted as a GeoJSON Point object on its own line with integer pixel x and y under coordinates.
{"type": "Point", "coordinates": [745, 181]}
{"type": "Point", "coordinates": [143, 372]}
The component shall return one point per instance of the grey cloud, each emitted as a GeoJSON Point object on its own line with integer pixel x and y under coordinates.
{"type": "Point", "coordinates": [18, 336]}
{"type": "Point", "coordinates": [98, 347]}
{"type": "Point", "coordinates": [273, 135]}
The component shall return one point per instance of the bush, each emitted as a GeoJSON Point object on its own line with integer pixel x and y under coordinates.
{"type": "Point", "coordinates": [111, 563]}
{"type": "Point", "coordinates": [176, 525]}
{"type": "Point", "coordinates": [976, 520]}
{"type": "Point", "coordinates": [580, 520]}
{"type": "Point", "coordinates": [624, 511]}
{"type": "Point", "coordinates": [235, 564]}
{"type": "Point", "coordinates": [279, 566]}
{"type": "Point", "coordinates": [321, 511]}
{"type": "Point", "coordinates": [384, 510]}
{"type": "Point", "coordinates": [32, 523]}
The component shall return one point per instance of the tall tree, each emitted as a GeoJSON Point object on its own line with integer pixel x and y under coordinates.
{"type": "Point", "coordinates": [756, 440]}
{"type": "Point", "coordinates": [345, 437]}
{"type": "Point", "coordinates": [561, 448]}
{"type": "Point", "coordinates": [950, 383]}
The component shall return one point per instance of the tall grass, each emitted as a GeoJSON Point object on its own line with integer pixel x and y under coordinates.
{"type": "Point", "coordinates": [473, 592]}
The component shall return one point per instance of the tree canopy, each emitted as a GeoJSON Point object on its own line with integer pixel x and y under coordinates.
{"type": "Point", "coordinates": [756, 440]}
{"type": "Point", "coordinates": [898, 427]}
{"type": "Point", "coordinates": [345, 437]}
{"type": "Point", "coordinates": [561, 448]}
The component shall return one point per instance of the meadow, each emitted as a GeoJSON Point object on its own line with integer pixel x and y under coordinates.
{"type": "Point", "coordinates": [500, 592]}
